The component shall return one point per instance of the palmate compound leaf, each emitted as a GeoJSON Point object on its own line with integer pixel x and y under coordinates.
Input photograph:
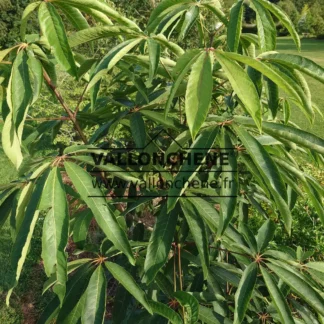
{"type": "Point", "coordinates": [52, 27]}
{"type": "Point", "coordinates": [199, 92]}
{"type": "Point", "coordinates": [128, 282]}
{"type": "Point", "coordinates": [244, 292]}
{"type": "Point", "coordinates": [242, 85]}
{"type": "Point", "coordinates": [160, 242]}
{"type": "Point", "coordinates": [95, 200]}
{"type": "Point", "coordinates": [95, 298]}
{"type": "Point", "coordinates": [55, 230]}
{"type": "Point", "coordinates": [270, 173]}
{"type": "Point", "coordinates": [22, 244]}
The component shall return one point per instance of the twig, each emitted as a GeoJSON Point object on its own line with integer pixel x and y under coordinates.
{"type": "Point", "coordinates": [80, 100]}
{"type": "Point", "coordinates": [65, 107]}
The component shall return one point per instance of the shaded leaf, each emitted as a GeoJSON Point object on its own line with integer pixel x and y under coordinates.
{"type": "Point", "coordinates": [95, 200]}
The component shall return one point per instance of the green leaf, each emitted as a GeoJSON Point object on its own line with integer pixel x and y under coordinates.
{"type": "Point", "coordinates": [19, 97]}
{"type": "Point", "coordinates": [244, 292]}
{"type": "Point", "coordinates": [55, 230]}
{"type": "Point", "coordinates": [209, 316]}
{"type": "Point", "coordinates": [199, 92]}
{"type": "Point", "coordinates": [160, 242]}
{"type": "Point", "coordinates": [273, 97]}
{"type": "Point", "coordinates": [207, 212]}
{"type": "Point", "coordinates": [95, 33]}
{"type": "Point", "coordinates": [198, 231]}
{"type": "Point", "coordinates": [189, 169]}
{"type": "Point", "coordinates": [124, 278]}
{"type": "Point", "coordinates": [22, 244]}
{"type": "Point", "coordinates": [183, 65]}
{"type": "Point", "coordinates": [95, 301]}
{"type": "Point", "coordinates": [267, 31]}
{"type": "Point", "coordinates": [25, 16]}
{"type": "Point", "coordinates": [265, 234]}
{"type": "Point", "coordinates": [24, 198]}
{"type": "Point", "coordinates": [95, 200]}
{"type": "Point", "coordinates": [277, 297]}
{"type": "Point", "coordinates": [305, 313]}
{"type": "Point", "coordinates": [283, 18]}
{"type": "Point", "coordinates": [214, 7]}
{"type": "Point", "coordinates": [75, 288]}
{"type": "Point", "coordinates": [138, 130]}
{"type": "Point", "coordinates": [165, 311]}
{"type": "Point", "coordinates": [159, 119]}
{"type": "Point", "coordinates": [249, 238]}
{"type": "Point", "coordinates": [111, 59]}
{"type": "Point", "coordinates": [318, 266]}
{"type": "Point", "coordinates": [173, 47]}
{"type": "Point", "coordinates": [281, 79]}
{"type": "Point", "coordinates": [101, 7]}
{"type": "Point", "coordinates": [6, 207]}
{"type": "Point", "coordinates": [297, 62]}
{"type": "Point", "coordinates": [81, 226]}
{"type": "Point", "coordinates": [230, 184]}
{"type": "Point", "coordinates": [243, 86]}
{"type": "Point", "coordinates": [162, 10]}
{"type": "Point", "coordinates": [70, 311]}
{"type": "Point", "coordinates": [234, 27]}
{"type": "Point", "coordinates": [6, 51]}
{"type": "Point", "coordinates": [122, 300]}
{"type": "Point", "coordinates": [289, 133]}
{"type": "Point", "coordinates": [190, 305]}
{"type": "Point", "coordinates": [114, 169]}
{"type": "Point", "coordinates": [269, 172]}
{"type": "Point", "coordinates": [154, 50]}
{"type": "Point", "coordinates": [52, 27]}
{"type": "Point", "coordinates": [71, 267]}
{"type": "Point", "coordinates": [74, 16]}
{"type": "Point", "coordinates": [189, 20]}
{"type": "Point", "coordinates": [300, 287]}
{"type": "Point", "coordinates": [36, 69]}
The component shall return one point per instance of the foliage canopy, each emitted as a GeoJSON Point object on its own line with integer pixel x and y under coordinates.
{"type": "Point", "coordinates": [201, 258]}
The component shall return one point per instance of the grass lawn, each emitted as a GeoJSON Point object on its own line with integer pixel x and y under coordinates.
{"type": "Point", "coordinates": [314, 50]}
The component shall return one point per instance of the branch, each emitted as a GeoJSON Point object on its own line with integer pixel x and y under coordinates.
{"type": "Point", "coordinates": [66, 108]}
